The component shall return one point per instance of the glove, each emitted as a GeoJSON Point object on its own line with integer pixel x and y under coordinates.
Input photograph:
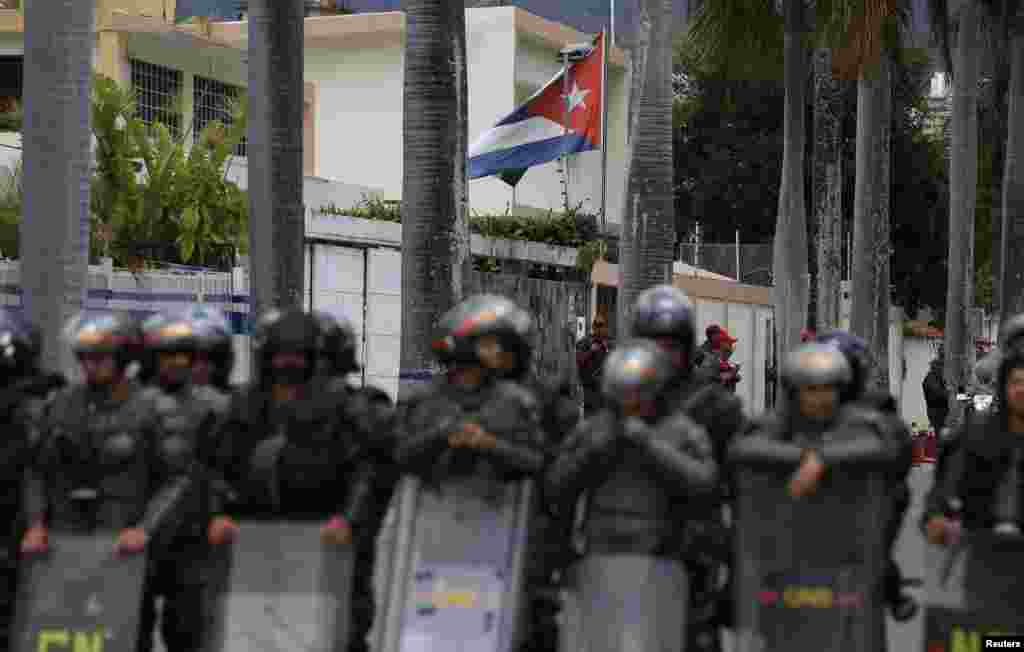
{"type": "Point", "coordinates": [36, 541]}
{"type": "Point", "coordinates": [806, 478]}
{"type": "Point", "coordinates": [336, 531]}
{"type": "Point", "coordinates": [130, 541]}
{"type": "Point", "coordinates": [222, 530]}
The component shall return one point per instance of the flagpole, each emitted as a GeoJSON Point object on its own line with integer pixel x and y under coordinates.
{"type": "Point", "coordinates": [565, 126]}
{"type": "Point", "coordinates": [604, 126]}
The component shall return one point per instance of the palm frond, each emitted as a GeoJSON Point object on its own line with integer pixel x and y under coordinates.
{"type": "Point", "coordinates": [736, 39]}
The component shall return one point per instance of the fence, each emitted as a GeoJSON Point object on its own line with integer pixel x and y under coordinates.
{"type": "Point", "coordinates": [755, 260]}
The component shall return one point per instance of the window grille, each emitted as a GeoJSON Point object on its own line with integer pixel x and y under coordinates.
{"type": "Point", "coordinates": [157, 95]}
{"type": "Point", "coordinates": [213, 100]}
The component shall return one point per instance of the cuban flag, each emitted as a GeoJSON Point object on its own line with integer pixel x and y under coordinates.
{"type": "Point", "coordinates": [535, 133]}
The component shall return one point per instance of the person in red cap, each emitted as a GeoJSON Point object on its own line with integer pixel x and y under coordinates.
{"type": "Point", "coordinates": [728, 372]}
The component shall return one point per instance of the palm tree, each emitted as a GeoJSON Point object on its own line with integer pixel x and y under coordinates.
{"type": "Point", "coordinates": [828, 190]}
{"type": "Point", "coordinates": [963, 187]}
{"type": "Point", "coordinates": [1013, 180]}
{"type": "Point", "coordinates": [648, 226]}
{"type": "Point", "coordinates": [741, 37]}
{"type": "Point", "coordinates": [276, 213]}
{"type": "Point", "coordinates": [435, 231]}
{"type": "Point", "coordinates": [59, 41]}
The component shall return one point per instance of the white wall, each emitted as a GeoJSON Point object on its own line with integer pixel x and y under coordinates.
{"type": "Point", "coordinates": [359, 114]}
{"type": "Point", "coordinates": [491, 43]}
{"type": "Point", "coordinates": [317, 192]}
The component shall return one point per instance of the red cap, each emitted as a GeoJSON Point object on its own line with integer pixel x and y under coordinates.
{"type": "Point", "coordinates": [807, 335]}
{"type": "Point", "coordinates": [723, 337]}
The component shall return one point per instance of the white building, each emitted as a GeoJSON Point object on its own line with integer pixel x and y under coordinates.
{"type": "Point", "coordinates": [356, 65]}
{"type": "Point", "coordinates": [353, 94]}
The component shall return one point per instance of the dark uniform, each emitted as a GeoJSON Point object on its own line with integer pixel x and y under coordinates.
{"type": "Point", "coordinates": [374, 410]}
{"type": "Point", "coordinates": [282, 446]}
{"type": "Point", "coordinates": [981, 483]}
{"type": "Point", "coordinates": [900, 440]}
{"type": "Point", "coordinates": [664, 314]}
{"type": "Point", "coordinates": [182, 562]}
{"type": "Point", "coordinates": [645, 468]}
{"type": "Point", "coordinates": [24, 391]}
{"type": "Point", "coordinates": [98, 463]}
{"type": "Point", "coordinates": [477, 339]}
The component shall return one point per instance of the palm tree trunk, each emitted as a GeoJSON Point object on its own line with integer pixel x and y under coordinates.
{"type": "Point", "coordinates": [828, 188]}
{"type": "Point", "coordinates": [648, 229]}
{"type": "Point", "coordinates": [54, 236]}
{"type": "Point", "coordinates": [963, 186]}
{"type": "Point", "coordinates": [1013, 182]}
{"type": "Point", "coordinates": [999, 109]}
{"type": "Point", "coordinates": [789, 251]}
{"type": "Point", "coordinates": [872, 245]}
{"type": "Point", "coordinates": [277, 217]}
{"type": "Point", "coordinates": [434, 226]}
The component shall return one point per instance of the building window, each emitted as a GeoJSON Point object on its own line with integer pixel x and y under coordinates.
{"type": "Point", "coordinates": [213, 100]}
{"type": "Point", "coordinates": [157, 95]}
{"type": "Point", "coordinates": [11, 86]}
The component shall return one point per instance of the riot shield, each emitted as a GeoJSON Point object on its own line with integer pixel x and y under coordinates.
{"type": "Point", "coordinates": [286, 592]}
{"type": "Point", "coordinates": [625, 603]}
{"type": "Point", "coordinates": [972, 590]}
{"type": "Point", "coordinates": [808, 571]}
{"type": "Point", "coordinates": [79, 597]}
{"type": "Point", "coordinates": [457, 571]}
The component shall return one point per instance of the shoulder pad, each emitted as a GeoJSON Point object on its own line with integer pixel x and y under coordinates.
{"type": "Point", "coordinates": [861, 414]}
{"type": "Point", "coordinates": [883, 401]}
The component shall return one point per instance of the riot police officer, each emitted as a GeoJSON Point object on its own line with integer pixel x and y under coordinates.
{"type": "Point", "coordinates": [644, 466]}
{"type": "Point", "coordinates": [181, 560]}
{"type": "Point", "coordinates": [473, 437]}
{"type": "Point", "coordinates": [24, 390]}
{"type": "Point", "coordinates": [293, 450]}
{"type": "Point", "coordinates": [374, 409]}
{"type": "Point", "coordinates": [97, 465]}
{"type": "Point", "coordinates": [980, 488]}
{"type": "Point", "coordinates": [664, 314]}
{"type": "Point", "coordinates": [811, 432]}
{"type": "Point", "coordinates": [902, 605]}
{"type": "Point", "coordinates": [559, 414]}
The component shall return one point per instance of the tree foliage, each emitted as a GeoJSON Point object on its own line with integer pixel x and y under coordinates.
{"type": "Point", "coordinates": [151, 189]}
{"type": "Point", "coordinates": [728, 135]}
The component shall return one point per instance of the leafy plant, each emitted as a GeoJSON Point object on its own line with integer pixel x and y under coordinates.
{"type": "Point", "coordinates": [571, 228]}
{"type": "Point", "coordinates": [151, 190]}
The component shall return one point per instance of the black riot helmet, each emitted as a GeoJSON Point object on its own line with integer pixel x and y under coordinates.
{"type": "Point", "coordinates": [636, 371]}
{"type": "Point", "coordinates": [115, 333]}
{"type": "Point", "coordinates": [859, 358]}
{"type": "Point", "coordinates": [460, 330]}
{"type": "Point", "coordinates": [20, 346]}
{"type": "Point", "coordinates": [337, 345]}
{"type": "Point", "coordinates": [213, 340]}
{"type": "Point", "coordinates": [289, 331]}
{"type": "Point", "coordinates": [665, 312]}
{"type": "Point", "coordinates": [169, 333]}
{"type": "Point", "coordinates": [816, 363]}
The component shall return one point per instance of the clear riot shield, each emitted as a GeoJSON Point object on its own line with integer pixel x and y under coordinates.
{"type": "Point", "coordinates": [972, 590]}
{"type": "Point", "coordinates": [286, 591]}
{"type": "Point", "coordinates": [79, 597]}
{"type": "Point", "coordinates": [457, 572]}
{"type": "Point", "coordinates": [625, 603]}
{"type": "Point", "coordinates": [808, 571]}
